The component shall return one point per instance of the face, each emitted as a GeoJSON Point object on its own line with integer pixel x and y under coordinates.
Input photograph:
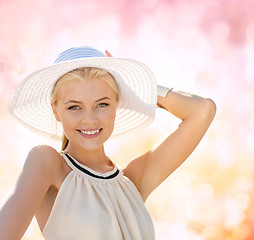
{"type": "Point", "coordinates": [87, 111]}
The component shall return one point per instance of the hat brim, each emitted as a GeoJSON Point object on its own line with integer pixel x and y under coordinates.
{"type": "Point", "coordinates": [137, 86]}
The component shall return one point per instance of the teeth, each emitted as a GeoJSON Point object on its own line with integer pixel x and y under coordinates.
{"type": "Point", "coordinates": [90, 132]}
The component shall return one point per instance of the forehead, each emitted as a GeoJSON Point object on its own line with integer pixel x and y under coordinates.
{"type": "Point", "coordinates": [89, 89]}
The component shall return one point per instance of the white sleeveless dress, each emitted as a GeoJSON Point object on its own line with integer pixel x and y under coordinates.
{"type": "Point", "coordinates": [97, 206]}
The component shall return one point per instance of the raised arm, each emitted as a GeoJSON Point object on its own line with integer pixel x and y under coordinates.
{"type": "Point", "coordinates": [156, 165]}
{"type": "Point", "coordinates": [33, 183]}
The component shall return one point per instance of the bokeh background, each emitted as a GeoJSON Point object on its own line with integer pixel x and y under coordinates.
{"type": "Point", "coordinates": [200, 46]}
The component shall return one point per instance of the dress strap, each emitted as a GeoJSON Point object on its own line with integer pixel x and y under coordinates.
{"type": "Point", "coordinates": [74, 164]}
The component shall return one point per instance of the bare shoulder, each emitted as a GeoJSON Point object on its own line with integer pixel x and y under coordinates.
{"type": "Point", "coordinates": [43, 157]}
{"type": "Point", "coordinates": [32, 186]}
{"type": "Point", "coordinates": [43, 152]}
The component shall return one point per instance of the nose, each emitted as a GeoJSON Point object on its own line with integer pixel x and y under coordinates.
{"type": "Point", "coordinates": [89, 117]}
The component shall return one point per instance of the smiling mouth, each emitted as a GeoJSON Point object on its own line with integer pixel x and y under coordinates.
{"type": "Point", "coordinates": [90, 133]}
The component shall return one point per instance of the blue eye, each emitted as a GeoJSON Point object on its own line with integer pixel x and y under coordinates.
{"type": "Point", "coordinates": [73, 107]}
{"type": "Point", "coordinates": [103, 105]}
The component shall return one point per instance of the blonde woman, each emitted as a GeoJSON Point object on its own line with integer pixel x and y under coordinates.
{"type": "Point", "coordinates": [86, 98]}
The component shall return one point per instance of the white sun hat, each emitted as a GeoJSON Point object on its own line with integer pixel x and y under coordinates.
{"type": "Point", "coordinates": [31, 107]}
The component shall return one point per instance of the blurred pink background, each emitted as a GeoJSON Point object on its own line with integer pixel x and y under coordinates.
{"type": "Point", "coordinates": [200, 46]}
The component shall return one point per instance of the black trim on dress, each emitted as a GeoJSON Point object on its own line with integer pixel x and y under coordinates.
{"type": "Point", "coordinates": [89, 173]}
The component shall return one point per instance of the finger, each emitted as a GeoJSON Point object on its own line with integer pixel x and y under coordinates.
{"type": "Point", "coordinates": [108, 54]}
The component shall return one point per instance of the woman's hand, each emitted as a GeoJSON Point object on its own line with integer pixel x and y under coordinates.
{"type": "Point", "coordinates": [108, 54]}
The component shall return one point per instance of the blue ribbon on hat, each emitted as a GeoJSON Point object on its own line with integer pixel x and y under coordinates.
{"type": "Point", "coordinates": [78, 52]}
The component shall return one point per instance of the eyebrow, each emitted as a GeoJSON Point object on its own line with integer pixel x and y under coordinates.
{"type": "Point", "coordinates": [103, 99]}
{"type": "Point", "coordinates": [74, 101]}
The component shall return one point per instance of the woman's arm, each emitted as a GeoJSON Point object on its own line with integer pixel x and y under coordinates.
{"type": "Point", "coordinates": [33, 184]}
{"type": "Point", "coordinates": [156, 165]}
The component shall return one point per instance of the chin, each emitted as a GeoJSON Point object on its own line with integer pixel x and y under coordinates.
{"type": "Point", "coordinates": [92, 145]}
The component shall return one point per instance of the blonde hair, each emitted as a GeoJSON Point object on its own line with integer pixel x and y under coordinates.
{"type": "Point", "coordinates": [82, 74]}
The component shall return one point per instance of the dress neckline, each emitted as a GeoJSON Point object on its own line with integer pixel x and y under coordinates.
{"type": "Point", "coordinates": [75, 164]}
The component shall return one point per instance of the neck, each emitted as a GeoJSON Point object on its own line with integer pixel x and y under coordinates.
{"type": "Point", "coordinates": [90, 158]}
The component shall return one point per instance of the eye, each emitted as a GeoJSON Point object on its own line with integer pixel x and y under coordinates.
{"type": "Point", "coordinates": [101, 105]}
{"type": "Point", "coordinates": [74, 107]}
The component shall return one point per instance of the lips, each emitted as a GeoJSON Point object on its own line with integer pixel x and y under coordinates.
{"type": "Point", "coordinates": [90, 133]}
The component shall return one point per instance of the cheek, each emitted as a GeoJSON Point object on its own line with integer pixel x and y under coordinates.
{"type": "Point", "coordinates": [111, 117]}
{"type": "Point", "coordinates": [68, 119]}
{"type": "Point", "coordinates": [106, 115]}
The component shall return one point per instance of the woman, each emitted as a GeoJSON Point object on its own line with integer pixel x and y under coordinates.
{"type": "Point", "coordinates": [80, 193]}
